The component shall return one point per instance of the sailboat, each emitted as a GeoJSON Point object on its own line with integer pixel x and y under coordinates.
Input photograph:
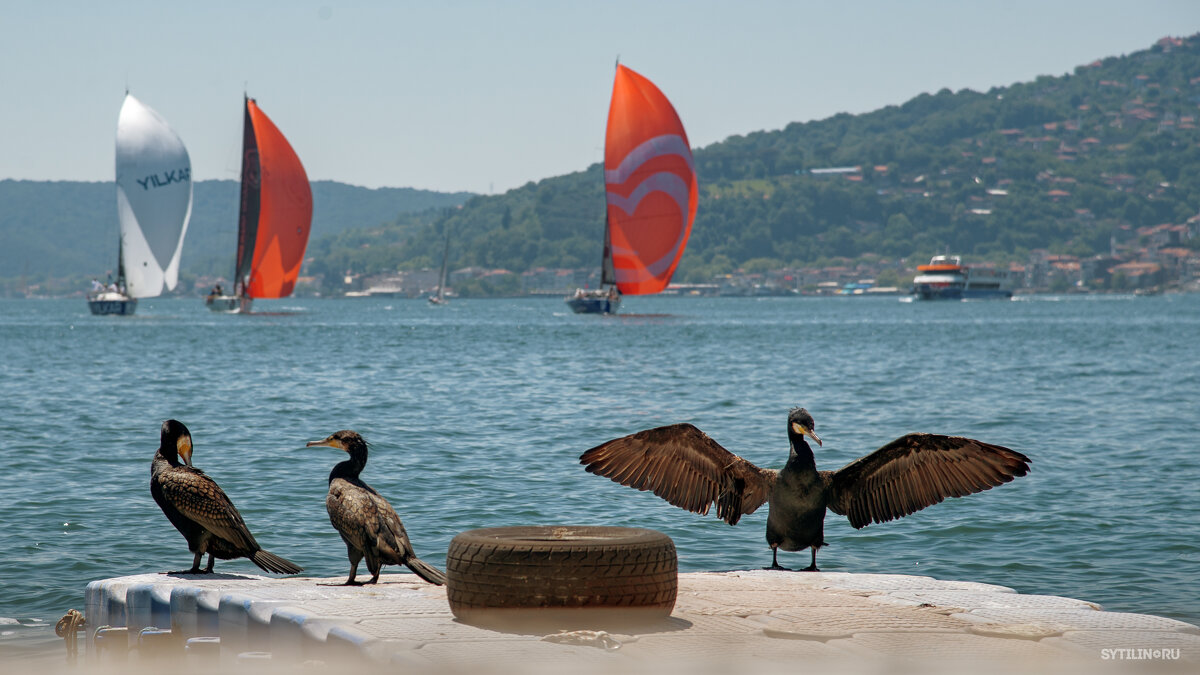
{"type": "Point", "coordinates": [274, 217]}
{"type": "Point", "coordinates": [439, 298]}
{"type": "Point", "coordinates": [651, 194]}
{"type": "Point", "coordinates": [154, 204]}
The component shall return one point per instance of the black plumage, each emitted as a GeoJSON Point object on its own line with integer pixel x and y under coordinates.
{"type": "Point", "coordinates": [200, 510]}
{"type": "Point", "coordinates": [367, 522]}
{"type": "Point", "coordinates": [684, 466]}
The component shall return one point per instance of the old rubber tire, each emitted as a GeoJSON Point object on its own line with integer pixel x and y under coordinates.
{"type": "Point", "coordinates": [561, 567]}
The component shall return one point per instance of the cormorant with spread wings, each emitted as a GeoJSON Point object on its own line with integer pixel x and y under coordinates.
{"type": "Point", "coordinates": [684, 466]}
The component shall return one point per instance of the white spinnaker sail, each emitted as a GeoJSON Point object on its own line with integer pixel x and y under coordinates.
{"type": "Point", "coordinates": [154, 198]}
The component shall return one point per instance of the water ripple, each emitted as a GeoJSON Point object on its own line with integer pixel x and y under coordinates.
{"type": "Point", "coordinates": [478, 414]}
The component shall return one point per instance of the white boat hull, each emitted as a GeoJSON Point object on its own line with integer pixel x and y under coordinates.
{"type": "Point", "coordinates": [946, 278]}
{"type": "Point", "coordinates": [594, 302]}
{"type": "Point", "coordinates": [229, 304]}
{"type": "Point", "coordinates": [108, 302]}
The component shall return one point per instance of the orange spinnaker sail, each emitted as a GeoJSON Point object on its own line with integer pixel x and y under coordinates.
{"type": "Point", "coordinates": [285, 212]}
{"type": "Point", "coordinates": [650, 184]}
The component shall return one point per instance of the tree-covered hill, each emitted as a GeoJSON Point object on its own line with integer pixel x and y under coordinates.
{"type": "Point", "coordinates": [1059, 163]}
{"type": "Point", "coordinates": [69, 229]}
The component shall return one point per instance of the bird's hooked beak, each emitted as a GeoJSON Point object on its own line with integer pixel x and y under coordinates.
{"type": "Point", "coordinates": [329, 442]}
{"type": "Point", "coordinates": [183, 446]}
{"type": "Point", "coordinates": [805, 431]}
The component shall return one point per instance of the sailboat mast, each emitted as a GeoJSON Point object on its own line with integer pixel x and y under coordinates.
{"type": "Point", "coordinates": [607, 274]}
{"type": "Point", "coordinates": [445, 257]}
{"type": "Point", "coordinates": [244, 242]}
{"type": "Point", "coordinates": [120, 261]}
{"type": "Point", "coordinates": [248, 208]}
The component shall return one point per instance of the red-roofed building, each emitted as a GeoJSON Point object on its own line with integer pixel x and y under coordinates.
{"type": "Point", "coordinates": [1068, 273]}
{"type": "Point", "coordinates": [1161, 236]}
{"type": "Point", "coordinates": [1181, 263]}
{"type": "Point", "coordinates": [1134, 275]}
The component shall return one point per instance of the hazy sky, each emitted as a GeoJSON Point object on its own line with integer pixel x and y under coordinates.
{"type": "Point", "coordinates": [485, 96]}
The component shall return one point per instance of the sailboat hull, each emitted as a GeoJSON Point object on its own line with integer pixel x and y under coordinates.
{"type": "Point", "coordinates": [229, 304]}
{"type": "Point", "coordinates": [594, 302]}
{"type": "Point", "coordinates": [112, 303]}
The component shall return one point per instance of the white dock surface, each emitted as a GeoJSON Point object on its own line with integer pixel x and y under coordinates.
{"type": "Point", "coordinates": [719, 620]}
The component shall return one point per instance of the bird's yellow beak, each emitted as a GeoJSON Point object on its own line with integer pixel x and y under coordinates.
{"type": "Point", "coordinates": [330, 442]}
{"type": "Point", "coordinates": [804, 431]}
{"type": "Point", "coordinates": [183, 446]}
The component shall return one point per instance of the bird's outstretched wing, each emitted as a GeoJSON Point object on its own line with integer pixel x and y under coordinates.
{"type": "Point", "coordinates": [684, 466]}
{"type": "Point", "coordinates": [199, 498]}
{"type": "Point", "coordinates": [916, 471]}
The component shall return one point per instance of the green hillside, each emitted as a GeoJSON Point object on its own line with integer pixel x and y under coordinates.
{"type": "Point", "coordinates": [67, 231]}
{"type": "Point", "coordinates": [1059, 163]}
{"type": "Point", "coordinates": [1063, 163]}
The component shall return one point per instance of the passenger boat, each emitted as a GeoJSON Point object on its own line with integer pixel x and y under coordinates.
{"type": "Point", "coordinates": [154, 204]}
{"type": "Point", "coordinates": [946, 278]}
{"type": "Point", "coordinates": [274, 216]}
{"type": "Point", "coordinates": [650, 193]}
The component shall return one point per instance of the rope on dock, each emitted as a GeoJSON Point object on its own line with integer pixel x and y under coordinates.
{"type": "Point", "coordinates": [68, 628]}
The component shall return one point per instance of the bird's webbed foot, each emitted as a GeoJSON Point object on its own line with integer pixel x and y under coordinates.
{"type": "Point", "coordinates": [194, 570]}
{"type": "Point", "coordinates": [775, 561]}
{"type": "Point", "coordinates": [813, 566]}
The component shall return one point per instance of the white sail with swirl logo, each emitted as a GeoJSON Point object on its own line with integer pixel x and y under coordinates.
{"type": "Point", "coordinates": [666, 182]}
{"type": "Point", "coordinates": [650, 186]}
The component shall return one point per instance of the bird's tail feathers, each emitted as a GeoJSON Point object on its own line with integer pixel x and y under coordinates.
{"type": "Point", "coordinates": [426, 571]}
{"type": "Point", "coordinates": [273, 563]}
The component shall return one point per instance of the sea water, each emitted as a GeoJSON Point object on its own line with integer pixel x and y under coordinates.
{"type": "Point", "coordinates": [478, 411]}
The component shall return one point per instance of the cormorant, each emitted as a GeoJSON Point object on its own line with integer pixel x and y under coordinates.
{"type": "Point", "coordinates": [199, 509]}
{"type": "Point", "coordinates": [684, 466]}
{"type": "Point", "coordinates": [367, 522]}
